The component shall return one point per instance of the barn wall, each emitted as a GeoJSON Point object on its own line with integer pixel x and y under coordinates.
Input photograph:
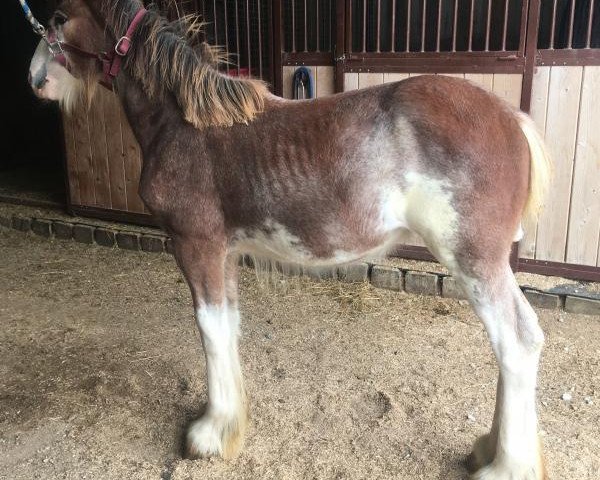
{"type": "Point", "coordinates": [103, 157]}
{"type": "Point", "coordinates": [506, 85]}
{"type": "Point", "coordinates": [564, 106]}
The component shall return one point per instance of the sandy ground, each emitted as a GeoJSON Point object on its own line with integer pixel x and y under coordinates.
{"type": "Point", "coordinates": [101, 370]}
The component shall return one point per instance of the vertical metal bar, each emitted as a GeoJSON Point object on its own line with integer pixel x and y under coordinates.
{"type": "Point", "coordinates": [439, 26]}
{"type": "Point", "coordinates": [305, 27]}
{"type": "Point", "coordinates": [318, 36]}
{"type": "Point", "coordinates": [471, 15]}
{"type": "Point", "coordinates": [276, 46]}
{"type": "Point", "coordinates": [408, 12]}
{"type": "Point", "coordinates": [237, 37]}
{"type": "Point", "coordinates": [505, 25]}
{"type": "Point", "coordinates": [423, 25]}
{"type": "Point", "coordinates": [248, 37]}
{"type": "Point", "coordinates": [526, 8]}
{"type": "Point", "coordinates": [260, 66]}
{"type": "Point", "coordinates": [454, 24]}
{"type": "Point", "coordinates": [588, 37]}
{"type": "Point", "coordinates": [216, 41]}
{"type": "Point", "coordinates": [487, 26]}
{"type": "Point", "coordinates": [293, 25]}
{"type": "Point", "coordinates": [552, 25]}
{"type": "Point", "coordinates": [364, 46]}
{"type": "Point", "coordinates": [571, 21]}
{"type": "Point", "coordinates": [347, 26]}
{"type": "Point", "coordinates": [378, 33]}
{"type": "Point", "coordinates": [330, 27]}
{"type": "Point", "coordinates": [393, 26]}
{"type": "Point", "coordinates": [226, 30]}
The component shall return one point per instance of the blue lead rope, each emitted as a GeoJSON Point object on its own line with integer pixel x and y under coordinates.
{"type": "Point", "coordinates": [37, 26]}
{"type": "Point", "coordinates": [302, 86]}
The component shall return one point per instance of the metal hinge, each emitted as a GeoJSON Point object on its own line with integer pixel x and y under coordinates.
{"type": "Point", "coordinates": [338, 58]}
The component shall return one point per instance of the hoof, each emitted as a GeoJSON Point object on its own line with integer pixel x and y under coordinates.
{"type": "Point", "coordinates": [483, 466]}
{"type": "Point", "coordinates": [500, 471]}
{"type": "Point", "coordinates": [210, 437]}
{"type": "Point", "coordinates": [482, 454]}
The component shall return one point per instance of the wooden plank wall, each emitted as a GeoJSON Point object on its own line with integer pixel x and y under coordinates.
{"type": "Point", "coordinates": [507, 86]}
{"type": "Point", "coordinates": [565, 107]}
{"type": "Point", "coordinates": [103, 158]}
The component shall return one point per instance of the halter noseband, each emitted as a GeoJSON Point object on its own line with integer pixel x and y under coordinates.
{"type": "Point", "coordinates": [111, 61]}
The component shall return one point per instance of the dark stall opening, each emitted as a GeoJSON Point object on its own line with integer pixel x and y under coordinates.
{"type": "Point", "coordinates": [31, 162]}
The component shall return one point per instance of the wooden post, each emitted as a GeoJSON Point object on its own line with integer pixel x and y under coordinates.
{"type": "Point", "coordinates": [339, 47]}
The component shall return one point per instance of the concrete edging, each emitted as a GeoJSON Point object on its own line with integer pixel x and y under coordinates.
{"type": "Point", "coordinates": [380, 276]}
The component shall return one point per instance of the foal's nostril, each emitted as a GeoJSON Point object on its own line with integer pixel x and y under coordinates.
{"type": "Point", "coordinates": [37, 78]}
{"type": "Point", "coordinates": [40, 82]}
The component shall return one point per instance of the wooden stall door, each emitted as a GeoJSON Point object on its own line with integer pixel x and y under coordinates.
{"type": "Point", "coordinates": [103, 158]}
{"type": "Point", "coordinates": [565, 107]}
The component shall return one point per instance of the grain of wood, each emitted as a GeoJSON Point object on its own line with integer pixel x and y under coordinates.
{"type": "Point", "coordinates": [84, 166]}
{"type": "Point", "coordinates": [454, 75]}
{"type": "Point", "coordinates": [71, 158]}
{"type": "Point", "coordinates": [584, 214]}
{"type": "Point", "coordinates": [114, 145]}
{"type": "Point", "coordinates": [99, 151]}
{"type": "Point", "coordinates": [538, 110]}
{"type": "Point", "coordinates": [508, 87]}
{"type": "Point", "coordinates": [394, 77]}
{"type": "Point", "coordinates": [369, 79]}
{"type": "Point", "coordinates": [325, 81]}
{"type": "Point", "coordinates": [485, 80]}
{"type": "Point", "coordinates": [350, 81]}
{"type": "Point", "coordinates": [561, 130]}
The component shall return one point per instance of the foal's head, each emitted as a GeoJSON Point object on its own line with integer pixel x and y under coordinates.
{"type": "Point", "coordinates": [63, 75]}
{"type": "Point", "coordinates": [164, 57]}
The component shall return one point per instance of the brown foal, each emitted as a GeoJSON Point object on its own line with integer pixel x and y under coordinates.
{"type": "Point", "coordinates": [230, 169]}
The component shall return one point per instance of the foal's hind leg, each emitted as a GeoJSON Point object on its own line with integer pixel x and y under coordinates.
{"type": "Point", "coordinates": [511, 450]}
{"type": "Point", "coordinates": [211, 278]}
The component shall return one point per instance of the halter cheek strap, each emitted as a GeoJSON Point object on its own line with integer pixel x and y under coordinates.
{"type": "Point", "coordinates": [111, 61]}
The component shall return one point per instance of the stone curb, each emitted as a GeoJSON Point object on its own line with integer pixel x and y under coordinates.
{"type": "Point", "coordinates": [381, 276]}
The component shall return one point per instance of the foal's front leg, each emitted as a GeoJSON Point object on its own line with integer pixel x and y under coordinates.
{"type": "Point", "coordinates": [220, 430]}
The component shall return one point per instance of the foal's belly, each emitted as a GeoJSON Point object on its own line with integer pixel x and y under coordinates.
{"type": "Point", "coordinates": [367, 234]}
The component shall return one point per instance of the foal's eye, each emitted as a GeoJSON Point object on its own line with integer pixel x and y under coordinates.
{"type": "Point", "coordinates": [60, 19]}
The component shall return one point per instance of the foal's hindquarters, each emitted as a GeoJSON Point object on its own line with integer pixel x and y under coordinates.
{"type": "Point", "coordinates": [463, 168]}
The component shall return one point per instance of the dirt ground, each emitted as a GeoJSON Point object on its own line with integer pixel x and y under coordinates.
{"type": "Point", "coordinates": [101, 371]}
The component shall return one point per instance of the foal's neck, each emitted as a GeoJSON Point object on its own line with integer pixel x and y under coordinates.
{"type": "Point", "coordinates": [148, 118]}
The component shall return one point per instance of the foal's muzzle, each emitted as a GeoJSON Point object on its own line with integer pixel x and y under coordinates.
{"type": "Point", "coordinates": [38, 79]}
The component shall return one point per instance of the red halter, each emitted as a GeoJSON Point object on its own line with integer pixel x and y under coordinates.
{"type": "Point", "coordinates": [111, 61]}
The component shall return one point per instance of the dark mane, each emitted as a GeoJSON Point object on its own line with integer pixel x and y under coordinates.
{"type": "Point", "coordinates": [164, 59]}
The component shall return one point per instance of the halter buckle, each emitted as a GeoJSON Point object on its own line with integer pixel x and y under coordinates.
{"type": "Point", "coordinates": [124, 42]}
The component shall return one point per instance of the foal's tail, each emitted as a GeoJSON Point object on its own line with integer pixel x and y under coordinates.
{"type": "Point", "coordinates": [540, 165]}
